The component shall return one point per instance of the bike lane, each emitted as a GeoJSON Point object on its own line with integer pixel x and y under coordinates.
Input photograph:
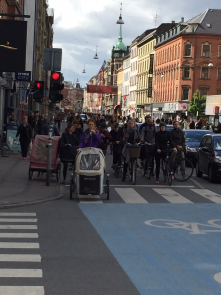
{"type": "Point", "coordinates": [164, 248]}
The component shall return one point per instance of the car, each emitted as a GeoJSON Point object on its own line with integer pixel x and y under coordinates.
{"type": "Point", "coordinates": [83, 117]}
{"type": "Point", "coordinates": [209, 157]}
{"type": "Point", "coordinates": [192, 142]}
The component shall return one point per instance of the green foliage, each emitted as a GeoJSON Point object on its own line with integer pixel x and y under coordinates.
{"type": "Point", "coordinates": [198, 104]}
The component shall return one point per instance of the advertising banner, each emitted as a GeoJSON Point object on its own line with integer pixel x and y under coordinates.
{"type": "Point", "coordinates": [212, 102]}
{"type": "Point", "coordinates": [13, 143]}
{"type": "Point", "coordinates": [102, 89]}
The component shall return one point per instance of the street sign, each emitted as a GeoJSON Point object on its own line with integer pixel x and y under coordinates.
{"type": "Point", "coordinates": [52, 59]}
{"type": "Point", "coordinates": [25, 76]}
{"type": "Point", "coordinates": [65, 102]}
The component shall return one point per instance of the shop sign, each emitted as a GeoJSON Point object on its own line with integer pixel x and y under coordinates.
{"type": "Point", "coordinates": [170, 107]}
{"type": "Point", "coordinates": [140, 106]}
{"type": "Point", "coordinates": [26, 76]}
{"type": "Point", "coordinates": [182, 107]}
{"type": "Point", "coordinates": [212, 101]}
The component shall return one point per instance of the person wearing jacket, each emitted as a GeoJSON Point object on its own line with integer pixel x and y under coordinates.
{"type": "Point", "coordinates": [106, 138]}
{"type": "Point", "coordinates": [90, 137]}
{"type": "Point", "coordinates": [67, 155]}
{"type": "Point", "coordinates": [117, 136]}
{"type": "Point", "coordinates": [178, 140]}
{"type": "Point", "coordinates": [111, 122]}
{"type": "Point", "coordinates": [162, 138]}
{"type": "Point", "coordinates": [25, 132]}
{"type": "Point", "coordinates": [147, 119]}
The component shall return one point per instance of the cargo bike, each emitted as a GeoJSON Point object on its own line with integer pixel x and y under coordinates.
{"type": "Point", "coordinates": [38, 157]}
{"type": "Point", "coordinates": [88, 176]}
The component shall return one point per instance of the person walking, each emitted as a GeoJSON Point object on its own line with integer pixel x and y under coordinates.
{"type": "Point", "coordinates": [25, 132]}
{"type": "Point", "coordinates": [31, 121]}
{"type": "Point", "coordinates": [106, 138]}
{"type": "Point", "coordinates": [90, 137]}
{"type": "Point", "coordinates": [111, 122]}
{"type": "Point", "coordinates": [68, 140]}
{"type": "Point", "coordinates": [117, 136]}
{"type": "Point", "coordinates": [78, 130]}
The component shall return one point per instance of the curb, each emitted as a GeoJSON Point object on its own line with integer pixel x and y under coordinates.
{"type": "Point", "coordinates": [59, 196]}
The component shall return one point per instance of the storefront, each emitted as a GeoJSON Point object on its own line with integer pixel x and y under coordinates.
{"type": "Point", "coordinates": [158, 110]}
{"type": "Point", "coordinates": [170, 110]}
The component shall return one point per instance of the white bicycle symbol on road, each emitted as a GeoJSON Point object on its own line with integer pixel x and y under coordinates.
{"type": "Point", "coordinates": [194, 228]}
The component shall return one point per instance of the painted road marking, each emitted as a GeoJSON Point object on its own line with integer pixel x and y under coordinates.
{"type": "Point", "coordinates": [172, 196]}
{"type": "Point", "coordinates": [129, 195]}
{"type": "Point", "coordinates": [20, 258]}
{"type": "Point", "coordinates": [12, 226]}
{"type": "Point", "coordinates": [216, 198]}
{"type": "Point", "coordinates": [153, 186]}
{"type": "Point", "coordinates": [20, 273]}
{"type": "Point", "coordinates": [17, 220]}
{"type": "Point", "coordinates": [22, 290]}
{"type": "Point", "coordinates": [217, 277]}
{"type": "Point", "coordinates": [18, 214]}
{"type": "Point", "coordinates": [19, 235]}
{"type": "Point", "coordinates": [11, 245]}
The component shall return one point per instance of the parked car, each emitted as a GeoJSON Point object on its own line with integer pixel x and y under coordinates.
{"type": "Point", "coordinates": [209, 157]}
{"type": "Point", "coordinates": [192, 139]}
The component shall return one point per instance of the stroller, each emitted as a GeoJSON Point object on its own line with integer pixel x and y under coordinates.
{"type": "Point", "coordinates": [89, 175]}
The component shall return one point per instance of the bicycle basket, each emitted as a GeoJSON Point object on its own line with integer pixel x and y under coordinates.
{"type": "Point", "coordinates": [134, 152]}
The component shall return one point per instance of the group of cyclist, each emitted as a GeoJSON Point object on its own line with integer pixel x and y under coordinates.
{"type": "Point", "coordinates": [119, 137]}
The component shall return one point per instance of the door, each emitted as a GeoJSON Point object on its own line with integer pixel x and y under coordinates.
{"type": "Point", "coordinates": [201, 155]}
{"type": "Point", "coordinates": [205, 155]}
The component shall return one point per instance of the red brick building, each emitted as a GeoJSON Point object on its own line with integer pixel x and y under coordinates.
{"type": "Point", "coordinates": [12, 7]}
{"type": "Point", "coordinates": [188, 57]}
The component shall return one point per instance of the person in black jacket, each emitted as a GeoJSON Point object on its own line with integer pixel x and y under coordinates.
{"type": "Point", "coordinates": [161, 140]}
{"type": "Point", "coordinates": [68, 140]}
{"type": "Point", "coordinates": [117, 135]}
{"type": "Point", "coordinates": [25, 132]}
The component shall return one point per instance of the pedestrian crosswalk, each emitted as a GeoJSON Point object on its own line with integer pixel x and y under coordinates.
{"type": "Point", "coordinates": [19, 255]}
{"type": "Point", "coordinates": [155, 194]}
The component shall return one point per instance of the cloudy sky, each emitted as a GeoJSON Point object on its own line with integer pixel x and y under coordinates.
{"type": "Point", "coordinates": [80, 26]}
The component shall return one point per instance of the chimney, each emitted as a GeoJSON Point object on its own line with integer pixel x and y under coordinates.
{"type": "Point", "coordinates": [173, 21]}
{"type": "Point", "coordinates": [182, 20]}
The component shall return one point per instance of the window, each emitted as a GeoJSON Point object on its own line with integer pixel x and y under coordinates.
{"type": "Point", "coordinates": [219, 51]}
{"type": "Point", "coordinates": [187, 51]}
{"type": "Point", "coordinates": [185, 94]}
{"type": "Point", "coordinates": [219, 74]}
{"type": "Point", "coordinates": [186, 73]}
{"type": "Point", "coordinates": [203, 91]}
{"type": "Point", "coordinates": [218, 92]}
{"type": "Point", "coordinates": [206, 50]}
{"type": "Point", "coordinates": [205, 73]}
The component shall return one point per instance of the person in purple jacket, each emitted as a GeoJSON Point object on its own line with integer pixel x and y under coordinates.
{"type": "Point", "coordinates": [90, 137]}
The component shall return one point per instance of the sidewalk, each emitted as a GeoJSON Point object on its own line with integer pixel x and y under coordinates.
{"type": "Point", "coordinates": [17, 190]}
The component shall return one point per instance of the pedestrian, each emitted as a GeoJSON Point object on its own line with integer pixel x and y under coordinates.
{"type": "Point", "coordinates": [25, 132]}
{"type": "Point", "coordinates": [45, 130]}
{"type": "Point", "coordinates": [117, 136]}
{"type": "Point", "coordinates": [199, 124]}
{"type": "Point", "coordinates": [78, 130]}
{"type": "Point", "coordinates": [90, 137]}
{"type": "Point", "coordinates": [145, 124]}
{"type": "Point", "coordinates": [106, 138]}
{"type": "Point", "coordinates": [111, 122]}
{"type": "Point", "coordinates": [192, 125]}
{"type": "Point", "coordinates": [67, 155]}
{"type": "Point", "coordinates": [36, 125]}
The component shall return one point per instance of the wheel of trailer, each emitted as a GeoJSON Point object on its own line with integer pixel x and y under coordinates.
{"type": "Point", "coordinates": [31, 174]}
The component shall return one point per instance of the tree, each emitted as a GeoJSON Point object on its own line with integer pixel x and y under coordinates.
{"type": "Point", "coordinates": [198, 103]}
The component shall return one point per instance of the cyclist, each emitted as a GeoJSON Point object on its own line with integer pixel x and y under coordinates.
{"type": "Point", "coordinates": [131, 135]}
{"type": "Point", "coordinates": [178, 139]}
{"type": "Point", "coordinates": [148, 135]}
{"type": "Point", "coordinates": [161, 140]}
{"type": "Point", "coordinates": [147, 119]}
{"type": "Point", "coordinates": [117, 135]}
{"type": "Point", "coordinates": [111, 122]}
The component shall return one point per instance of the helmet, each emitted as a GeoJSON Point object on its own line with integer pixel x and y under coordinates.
{"type": "Point", "coordinates": [162, 124]}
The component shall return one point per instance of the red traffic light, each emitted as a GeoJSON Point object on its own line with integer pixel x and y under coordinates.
{"type": "Point", "coordinates": [55, 76]}
{"type": "Point", "coordinates": [38, 85]}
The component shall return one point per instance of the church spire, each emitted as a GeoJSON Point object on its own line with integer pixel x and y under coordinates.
{"type": "Point", "coordinates": [120, 34]}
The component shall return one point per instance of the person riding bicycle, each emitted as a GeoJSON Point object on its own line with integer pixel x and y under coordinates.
{"type": "Point", "coordinates": [131, 136]}
{"type": "Point", "coordinates": [148, 135]}
{"type": "Point", "coordinates": [161, 141]}
{"type": "Point", "coordinates": [117, 135]}
{"type": "Point", "coordinates": [178, 139]}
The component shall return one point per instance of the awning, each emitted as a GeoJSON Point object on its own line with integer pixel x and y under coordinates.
{"type": "Point", "coordinates": [116, 106]}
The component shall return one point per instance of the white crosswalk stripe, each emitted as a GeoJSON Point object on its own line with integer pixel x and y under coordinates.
{"type": "Point", "coordinates": [129, 195]}
{"type": "Point", "coordinates": [10, 229]}
{"type": "Point", "coordinates": [216, 198]}
{"type": "Point", "coordinates": [171, 196]}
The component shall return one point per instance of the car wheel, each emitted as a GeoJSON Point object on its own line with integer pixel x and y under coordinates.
{"type": "Point", "coordinates": [211, 175]}
{"type": "Point", "coordinates": [198, 172]}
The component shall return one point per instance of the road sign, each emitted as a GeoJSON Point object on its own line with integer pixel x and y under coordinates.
{"type": "Point", "coordinates": [25, 76]}
{"type": "Point", "coordinates": [52, 59]}
{"type": "Point", "coordinates": [65, 102]}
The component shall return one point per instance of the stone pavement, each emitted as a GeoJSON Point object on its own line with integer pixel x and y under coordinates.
{"type": "Point", "coordinates": [17, 190]}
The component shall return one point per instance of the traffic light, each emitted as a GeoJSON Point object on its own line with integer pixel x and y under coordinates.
{"type": "Point", "coordinates": [55, 87]}
{"type": "Point", "coordinates": [38, 91]}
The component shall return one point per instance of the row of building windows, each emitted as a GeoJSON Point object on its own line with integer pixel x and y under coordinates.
{"type": "Point", "coordinates": [144, 50]}
{"type": "Point", "coordinates": [133, 80]}
{"type": "Point", "coordinates": [134, 66]}
{"type": "Point", "coordinates": [127, 76]}
{"type": "Point", "coordinates": [134, 52]}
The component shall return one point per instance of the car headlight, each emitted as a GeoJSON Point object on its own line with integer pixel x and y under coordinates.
{"type": "Point", "coordinates": [191, 149]}
{"type": "Point", "coordinates": [217, 159]}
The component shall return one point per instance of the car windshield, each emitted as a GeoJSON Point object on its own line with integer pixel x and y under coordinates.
{"type": "Point", "coordinates": [217, 143]}
{"type": "Point", "coordinates": [194, 136]}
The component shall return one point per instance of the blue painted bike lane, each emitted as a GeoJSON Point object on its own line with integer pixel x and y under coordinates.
{"type": "Point", "coordinates": [165, 249]}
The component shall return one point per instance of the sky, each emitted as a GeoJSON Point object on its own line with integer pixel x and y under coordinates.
{"type": "Point", "coordinates": [81, 26]}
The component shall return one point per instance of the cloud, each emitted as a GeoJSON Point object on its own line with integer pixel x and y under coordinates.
{"type": "Point", "coordinates": [80, 26]}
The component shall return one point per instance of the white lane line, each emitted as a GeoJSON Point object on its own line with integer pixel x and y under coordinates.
{"type": "Point", "coordinates": [22, 290]}
{"type": "Point", "coordinates": [12, 226]}
{"type": "Point", "coordinates": [216, 198]}
{"type": "Point", "coordinates": [20, 273]}
{"type": "Point", "coordinates": [197, 183]}
{"type": "Point", "coordinates": [18, 214]}
{"type": "Point", "coordinates": [154, 186]}
{"type": "Point", "coordinates": [17, 220]}
{"type": "Point", "coordinates": [172, 196]}
{"type": "Point", "coordinates": [129, 195]}
{"type": "Point", "coordinates": [12, 245]}
{"type": "Point", "coordinates": [20, 258]}
{"type": "Point", "coordinates": [19, 235]}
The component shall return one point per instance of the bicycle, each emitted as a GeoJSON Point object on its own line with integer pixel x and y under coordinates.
{"type": "Point", "coordinates": [180, 173]}
{"type": "Point", "coordinates": [148, 162]}
{"type": "Point", "coordinates": [4, 148]}
{"type": "Point", "coordinates": [134, 152]}
{"type": "Point", "coordinates": [120, 164]}
{"type": "Point", "coordinates": [166, 167]}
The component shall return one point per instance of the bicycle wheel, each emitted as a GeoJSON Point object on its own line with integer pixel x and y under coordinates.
{"type": "Point", "coordinates": [149, 167]}
{"type": "Point", "coordinates": [169, 176]}
{"type": "Point", "coordinates": [5, 150]}
{"type": "Point", "coordinates": [181, 173]}
{"type": "Point", "coordinates": [131, 169]}
{"type": "Point", "coordinates": [164, 169]}
{"type": "Point", "coordinates": [134, 173]}
{"type": "Point", "coordinates": [144, 170]}
{"type": "Point", "coordinates": [118, 168]}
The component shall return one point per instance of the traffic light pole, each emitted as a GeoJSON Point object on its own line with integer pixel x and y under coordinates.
{"type": "Point", "coordinates": [50, 142]}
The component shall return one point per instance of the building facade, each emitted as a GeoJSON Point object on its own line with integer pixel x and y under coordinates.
{"type": "Point", "coordinates": [125, 109]}
{"type": "Point", "coordinates": [133, 77]}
